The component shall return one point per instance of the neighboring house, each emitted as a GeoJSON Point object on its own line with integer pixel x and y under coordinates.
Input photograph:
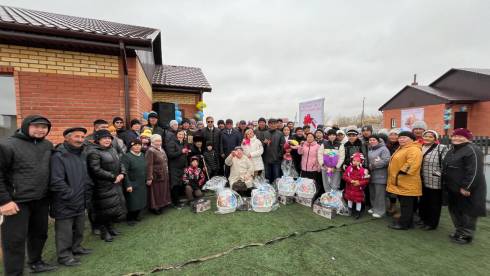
{"type": "Point", "coordinates": [461, 93]}
{"type": "Point", "coordinates": [75, 70]}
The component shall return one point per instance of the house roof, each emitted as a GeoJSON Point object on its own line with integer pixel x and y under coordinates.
{"type": "Point", "coordinates": [470, 85]}
{"type": "Point", "coordinates": [32, 21]}
{"type": "Point", "coordinates": [180, 77]}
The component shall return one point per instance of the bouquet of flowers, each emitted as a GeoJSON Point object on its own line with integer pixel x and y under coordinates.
{"type": "Point", "coordinates": [330, 160]}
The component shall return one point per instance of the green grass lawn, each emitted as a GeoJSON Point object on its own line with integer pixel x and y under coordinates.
{"type": "Point", "coordinates": [364, 247]}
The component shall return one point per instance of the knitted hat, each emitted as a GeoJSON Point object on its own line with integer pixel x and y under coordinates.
{"type": "Point", "coordinates": [135, 122]}
{"type": "Point", "coordinates": [229, 121]}
{"type": "Point", "coordinates": [408, 134]}
{"type": "Point", "coordinates": [433, 133]}
{"type": "Point", "coordinates": [357, 156]}
{"type": "Point", "coordinates": [394, 131]}
{"type": "Point", "coordinates": [221, 122]}
{"type": "Point", "coordinates": [261, 119]}
{"type": "Point", "coordinates": [419, 124]}
{"type": "Point", "coordinates": [103, 133]}
{"type": "Point", "coordinates": [463, 132]}
{"type": "Point", "coordinates": [146, 133]}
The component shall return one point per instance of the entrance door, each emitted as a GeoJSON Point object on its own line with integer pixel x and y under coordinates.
{"type": "Point", "coordinates": [460, 120]}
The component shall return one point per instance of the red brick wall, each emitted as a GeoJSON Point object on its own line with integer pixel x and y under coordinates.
{"type": "Point", "coordinates": [68, 100]}
{"type": "Point", "coordinates": [139, 88]}
{"type": "Point", "coordinates": [479, 118]}
{"type": "Point", "coordinates": [433, 116]}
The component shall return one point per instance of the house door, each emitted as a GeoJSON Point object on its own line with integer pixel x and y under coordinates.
{"type": "Point", "coordinates": [460, 120]}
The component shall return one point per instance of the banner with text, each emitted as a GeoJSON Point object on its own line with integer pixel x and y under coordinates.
{"type": "Point", "coordinates": [311, 113]}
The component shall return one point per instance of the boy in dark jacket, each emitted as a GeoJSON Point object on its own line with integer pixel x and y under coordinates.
{"type": "Point", "coordinates": [24, 179]}
{"type": "Point", "coordinates": [211, 159]}
{"type": "Point", "coordinates": [70, 188]}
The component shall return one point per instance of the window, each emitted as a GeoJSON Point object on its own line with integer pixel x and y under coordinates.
{"type": "Point", "coordinates": [8, 120]}
{"type": "Point", "coordinates": [393, 122]}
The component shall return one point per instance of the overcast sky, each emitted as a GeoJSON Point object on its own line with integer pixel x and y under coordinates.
{"type": "Point", "coordinates": [264, 57]}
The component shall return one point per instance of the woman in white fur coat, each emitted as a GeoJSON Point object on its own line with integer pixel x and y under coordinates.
{"type": "Point", "coordinates": [253, 149]}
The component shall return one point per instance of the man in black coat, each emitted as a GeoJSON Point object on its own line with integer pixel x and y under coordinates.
{"type": "Point", "coordinates": [153, 124]}
{"type": "Point", "coordinates": [230, 138]}
{"type": "Point", "coordinates": [464, 179]}
{"type": "Point", "coordinates": [70, 188]}
{"type": "Point", "coordinates": [211, 133]}
{"type": "Point", "coordinates": [273, 152]}
{"type": "Point", "coordinates": [24, 179]}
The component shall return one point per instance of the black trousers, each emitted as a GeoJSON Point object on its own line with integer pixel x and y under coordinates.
{"type": "Point", "coordinates": [29, 225]}
{"type": "Point", "coordinates": [175, 193]}
{"type": "Point", "coordinates": [407, 209]}
{"type": "Point", "coordinates": [69, 236]}
{"type": "Point", "coordinates": [430, 206]}
{"type": "Point", "coordinates": [464, 223]}
{"type": "Point", "coordinates": [132, 215]}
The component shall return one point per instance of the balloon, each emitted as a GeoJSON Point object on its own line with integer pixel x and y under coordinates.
{"type": "Point", "coordinates": [145, 115]}
{"type": "Point", "coordinates": [176, 106]}
{"type": "Point", "coordinates": [201, 105]}
{"type": "Point", "coordinates": [179, 119]}
{"type": "Point", "coordinates": [178, 113]}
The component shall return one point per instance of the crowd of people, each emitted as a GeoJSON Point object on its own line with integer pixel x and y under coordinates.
{"type": "Point", "coordinates": [114, 174]}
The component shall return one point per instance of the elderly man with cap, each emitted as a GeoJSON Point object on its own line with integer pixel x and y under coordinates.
{"type": "Point", "coordinates": [242, 170]}
{"type": "Point", "coordinates": [230, 138]}
{"type": "Point", "coordinates": [70, 189]}
{"type": "Point", "coordinates": [24, 180]}
{"type": "Point", "coordinates": [464, 178]}
{"type": "Point", "coordinates": [404, 178]}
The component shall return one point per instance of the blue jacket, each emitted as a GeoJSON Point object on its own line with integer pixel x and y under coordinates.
{"type": "Point", "coordinates": [229, 141]}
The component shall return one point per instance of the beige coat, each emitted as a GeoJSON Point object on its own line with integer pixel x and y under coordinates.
{"type": "Point", "coordinates": [241, 169]}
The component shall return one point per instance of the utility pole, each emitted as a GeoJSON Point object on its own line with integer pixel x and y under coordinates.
{"type": "Point", "coordinates": [362, 113]}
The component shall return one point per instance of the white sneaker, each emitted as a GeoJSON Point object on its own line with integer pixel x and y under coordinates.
{"type": "Point", "coordinates": [370, 211]}
{"type": "Point", "coordinates": [377, 216]}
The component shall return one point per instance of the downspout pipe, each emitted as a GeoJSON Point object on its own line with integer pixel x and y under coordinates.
{"type": "Point", "coordinates": [124, 59]}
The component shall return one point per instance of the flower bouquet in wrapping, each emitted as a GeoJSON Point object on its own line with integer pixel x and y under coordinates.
{"type": "Point", "coordinates": [330, 160]}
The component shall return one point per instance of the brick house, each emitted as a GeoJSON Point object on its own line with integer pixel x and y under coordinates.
{"type": "Point", "coordinates": [74, 70]}
{"type": "Point", "coordinates": [458, 98]}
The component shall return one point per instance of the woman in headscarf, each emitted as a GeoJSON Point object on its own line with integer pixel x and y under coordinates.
{"type": "Point", "coordinates": [157, 176]}
{"type": "Point", "coordinates": [465, 181]}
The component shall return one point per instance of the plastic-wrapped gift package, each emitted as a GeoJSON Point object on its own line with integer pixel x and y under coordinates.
{"type": "Point", "coordinates": [333, 199]}
{"type": "Point", "coordinates": [201, 205]}
{"type": "Point", "coordinates": [226, 201]}
{"type": "Point", "coordinates": [246, 204]}
{"type": "Point", "coordinates": [324, 211]}
{"type": "Point", "coordinates": [264, 199]}
{"type": "Point", "coordinates": [259, 181]}
{"type": "Point", "coordinates": [215, 183]}
{"type": "Point", "coordinates": [306, 187]}
{"type": "Point", "coordinates": [286, 186]}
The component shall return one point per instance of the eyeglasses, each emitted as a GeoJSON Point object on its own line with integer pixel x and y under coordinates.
{"type": "Point", "coordinates": [209, 122]}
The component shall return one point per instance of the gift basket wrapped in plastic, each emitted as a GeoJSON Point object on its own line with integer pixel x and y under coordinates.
{"type": "Point", "coordinates": [286, 186]}
{"type": "Point", "coordinates": [215, 183]}
{"type": "Point", "coordinates": [264, 199]}
{"type": "Point", "coordinates": [306, 187]}
{"type": "Point", "coordinates": [333, 199]}
{"type": "Point", "coordinates": [259, 181]}
{"type": "Point", "coordinates": [226, 201]}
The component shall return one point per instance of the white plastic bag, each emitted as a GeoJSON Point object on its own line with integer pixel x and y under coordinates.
{"type": "Point", "coordinates": [264, 199]}
{"type": "Point", "coordinates": [215, 183]}
{"type": "Point", "coordinates": [286, 186]}
{"type": "Point", "coordinates": [287, 167]}
{"type": "Point", "coordinates": [259, 180]}
{"type": "Point", "coordinates": [306, 187]}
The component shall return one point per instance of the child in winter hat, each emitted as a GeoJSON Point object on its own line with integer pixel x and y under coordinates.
{"type": "Point", "coordinates": [356, 178]}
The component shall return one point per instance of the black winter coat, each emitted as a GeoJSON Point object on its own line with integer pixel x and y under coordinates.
{"type": "Point", "coordinates": [229, 141]}
{"type": "Point", "coordinates": [104, 166]}
{"type": "Point", "coordinates": [351, 148]}
{"type": "Point", "coordinates": [274, 151]}
{"type": "Point", "coordinates": [463, 168]}
{"type": "Point", "coordinates": [213, 136]}
{"type": "Point", "coordinates": [70, 184]}
{"type": "Point", "coordinates": [177, 161]}
{"type": "Point", "coordinates": [24, 166]}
